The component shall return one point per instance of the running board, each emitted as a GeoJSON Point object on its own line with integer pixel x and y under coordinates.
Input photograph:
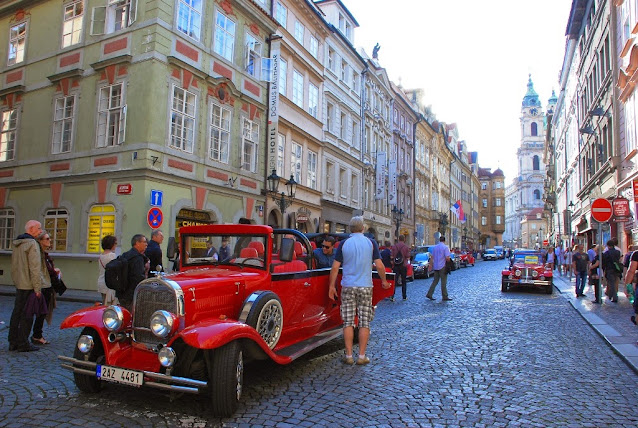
{"type": "Point", "coordinates": [298, 349]}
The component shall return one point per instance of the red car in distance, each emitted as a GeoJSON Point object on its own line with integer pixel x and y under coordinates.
{"type": "Point", "coordinates": [466, 259]}
{"type": "Point", "coordinates": [192, 331]}
{"type": "Point", "coordinates": [527, 269]}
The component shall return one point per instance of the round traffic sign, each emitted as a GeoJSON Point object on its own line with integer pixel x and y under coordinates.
{"type": "Point", "coordinates": [155, 217]}
{"type": "Point", "coordinates": [601, 210]}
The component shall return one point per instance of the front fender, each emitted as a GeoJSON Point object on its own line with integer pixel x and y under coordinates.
{"type": "Point", "coordinates": [87, 317]}
{"type": "Point", "coordinates": [213, 334]}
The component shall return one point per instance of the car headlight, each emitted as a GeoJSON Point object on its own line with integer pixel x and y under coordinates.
{"type": "Point", "coordinates": [162, 323]}
{"type": "Point", "coordinates": [534, 274]}
{"type": "Point", "coordinates": [85, 343]}
{"type": "Point", "coordinates": [166, 356]}
{"type": "Point", "coordinates": [112, 318]}
{"type": "Point", "coordinates": [517, 272]}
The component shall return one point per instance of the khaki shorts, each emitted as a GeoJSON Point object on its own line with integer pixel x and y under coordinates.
{"type": "Point", "coordinates": [356, 301]}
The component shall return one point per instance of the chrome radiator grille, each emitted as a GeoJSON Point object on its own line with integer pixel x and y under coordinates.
{"type": "Point", "coordinates": [526, 273]}
{"type": "Point", "coordinates": [150, 297]}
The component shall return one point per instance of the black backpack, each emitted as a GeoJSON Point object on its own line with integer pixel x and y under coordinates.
{"type": "Point", "coordinates": [116, 274]}
{"type": "Point", "coordinates": [398, 259]}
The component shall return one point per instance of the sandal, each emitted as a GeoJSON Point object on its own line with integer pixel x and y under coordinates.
{"type": "Point", "coordinates": [40, 341]}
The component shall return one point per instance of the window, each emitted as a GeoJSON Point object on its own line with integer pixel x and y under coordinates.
{"type": "Point", "coordinates": [117, 15]}
{"type": "Point", "coordinates": [499, 202]}
{"type": "Point", "coordinates": [313, 100]}
{"type": "Point", "coordinates": [483, 186]}
{"type": "Point", "coordinates": [63, 124]}
{"type": "Point", "coordinates": [297, 88]}
{"type": "Point", "coordinates": [183, 119]}
{"type": "Point", "coordinates": [111, 116]}
{"type": "Point", "coordinates": [344, 71]}
{"type": "Point", "coordinates": [330, 171]}
{"type": "Point", "coordinates": [537, 194]}
{"type": "Point", "coordinates": [8, 134]}
{"type": "Point", "coordinates": [299, 31]}
{"type": "Point", "coordinates": [72, 25]}
{"type": "Point", "coordinates": [311, 174]}
{"type": "Point", "coordinates": [281, 144]}
{"type": "Point", "coordinates": [355, 134]}
{"type": "Point", "coordinates": [101, 223]}
{"type": "Point", "coordinates": [281, 14]}
{"type": "Point", "coordinates": [483, 221]}
{"type": "Point", "coordinates": [224, 36]}
{"type": "Point", "coordinates": [283, 75]}
{"type": "Point", "coordinates": [56, 224]}
{"type": "Point", "coordinates": [7, 223]}
{"type": "Point", "coordinates": [499, 220]}
{"type": "Point", "coordinates": [331, 59]}
{"type": "Point", "coordinates": [343, 184]}
{"type": "Point", "coordinates": [534, 129]}
{"type": "Point", "coordinates": [253, 55]}
{"type": "Point", "coordinates": [17, 43]}
{"type": "Point", "coordinates": [250, 143]}
{"type": "Point", "coordinates": [330, 111]}
{"type": "Point", "coordinates": [189, 17]}
{"type": "Point", "coordinates": [354, 180]}
{"type": "Point", "coordinates": [342, 124]}
{"type": "Point", "coordinates": [220, 119]}
{"type": "Point", "coordinates": [355, 81]}
{"type": "Point", "coordinates": [484, 202]}
{"type": "Point", "coordinates": [535, 163]}
{"type": "Point", "coordinates": [314, 46]}
{"type": "Point", "coordinates": [342, 23]}
{"type": "Point", "coordinates": [295, 161]}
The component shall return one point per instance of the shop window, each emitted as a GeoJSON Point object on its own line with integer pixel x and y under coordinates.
{"type": "Point", "coordinates": [101, 224]}
{"type": "Point", "coordinates": [56, 224]}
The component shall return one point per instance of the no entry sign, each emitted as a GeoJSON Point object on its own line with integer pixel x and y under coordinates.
{"type": "Point", "coordinates": [601, 210]}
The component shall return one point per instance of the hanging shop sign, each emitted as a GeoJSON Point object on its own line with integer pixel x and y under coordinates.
{"type": "Point", "coordinates": [621, 209]}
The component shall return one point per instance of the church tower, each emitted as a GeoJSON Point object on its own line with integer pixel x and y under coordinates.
{"type": "Point", "coordinates": [526, 192]}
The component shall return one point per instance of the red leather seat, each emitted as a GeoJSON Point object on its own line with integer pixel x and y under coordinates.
{"type": "Point", "coordinates": [259, 246]}
{"type": "Point", "coordinates": [294, 265]}
{"type": "Point", "coordinates": [248, 252]}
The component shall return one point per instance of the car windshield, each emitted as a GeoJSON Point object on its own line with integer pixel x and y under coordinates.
{"type": "Point", "coordinates": [490, 252]}
{"type": "Point", "coordinates": [223, 249]}
{"type": "Point", "coordinates": [422, 257]}
{"type": "Point", "coordinates": [528, 259]}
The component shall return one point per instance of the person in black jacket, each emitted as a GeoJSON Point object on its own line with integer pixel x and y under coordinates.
{"type": "Point", "coordinates": [153, 251]}
{"type": "Point", "coordinates": [611, 263]}
{"type": "Point", "coordinates": [138, 267]}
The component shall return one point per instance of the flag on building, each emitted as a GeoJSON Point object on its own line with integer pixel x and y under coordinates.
{"type": "Point", "coordinates": [457, 209]}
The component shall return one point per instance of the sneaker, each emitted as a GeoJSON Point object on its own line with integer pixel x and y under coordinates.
{"type": "Point", "coordinates": [27, 348]}
{"type": "Point", "coordinates": [405, 298]}
{"type": "Point", "coordinates": [362, 361]}
{"type": "Point", "coordinates": [348, 360]}
{"type": "Point", "coordinates": [430, 297]}
{"type": "Point", "coordinates": [392, 299]}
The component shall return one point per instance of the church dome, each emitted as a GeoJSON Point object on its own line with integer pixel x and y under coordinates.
{"type": "Point", "coordinates": [531, 97]}
{"type": "Point", "coordinates": [498, 173]}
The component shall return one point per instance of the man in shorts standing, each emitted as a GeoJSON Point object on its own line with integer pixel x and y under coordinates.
{"type": "Point", "coordinates": [356, 254]}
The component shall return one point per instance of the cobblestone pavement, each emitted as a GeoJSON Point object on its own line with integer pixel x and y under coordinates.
{"type": "Point", "coordinates": [486, 358]}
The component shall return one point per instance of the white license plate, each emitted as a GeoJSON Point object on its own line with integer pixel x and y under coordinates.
{"type": "Point", "coordinates": [116, 374]}
{"type": "Point", "coordinates": [526, 281]}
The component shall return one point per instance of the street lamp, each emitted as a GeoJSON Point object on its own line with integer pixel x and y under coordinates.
{"type": "Point", "coordinates": [283, 201]}
{"type": "Point", "coordinates": [397, 215]}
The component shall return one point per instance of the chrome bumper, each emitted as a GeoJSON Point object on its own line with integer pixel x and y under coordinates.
{"type": "Point", "coordinates": [159, 380]}
{"type": "Point", "coordinates": [528, 283]}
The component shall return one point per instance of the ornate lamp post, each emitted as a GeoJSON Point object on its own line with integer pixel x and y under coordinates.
{"type": "Point", "coordinates": [397, 215]}
{"type": "Point", "coordinates": [282, 200]}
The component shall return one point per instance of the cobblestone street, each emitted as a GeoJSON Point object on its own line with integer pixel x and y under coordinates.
{"type": "Point", "coordinates": [486, 358]}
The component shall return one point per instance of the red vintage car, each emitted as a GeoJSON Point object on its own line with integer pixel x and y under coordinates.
{"type": "Point", "coordinates": [466, 259]}
{"type": "Point", "coordinates": [192, 331]}
{"type": "Point", "coordinates": [527, 269]}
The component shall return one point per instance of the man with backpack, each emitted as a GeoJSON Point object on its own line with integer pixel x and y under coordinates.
{"type": "Point", "coordinates": [612, 269]}
{"type": "Point", "coordinates": [124, 273]}
{"type": "Point", "coordinates": [399, 254]}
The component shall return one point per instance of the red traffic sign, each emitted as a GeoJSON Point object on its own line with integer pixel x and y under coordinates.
{"type": "Point", "coordinates": [155, 217]}
{"type": "Point", "coordinates": [124, 189]}
{"type": "Point", "coordinates": [545, 243]}
{"type": "Point", "coordinates": [601, 210]}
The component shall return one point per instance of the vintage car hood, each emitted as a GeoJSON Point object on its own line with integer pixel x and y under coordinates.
{"type": "Point", "coordinates": [212, 275]}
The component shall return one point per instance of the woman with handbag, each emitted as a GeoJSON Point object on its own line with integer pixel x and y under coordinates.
{"type": "Point", "coordinates": [44, 239]}
{"type": "Point", "coordinates": [109, 242]}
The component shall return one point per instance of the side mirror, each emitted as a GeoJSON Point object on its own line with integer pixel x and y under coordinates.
{"type": "Point", "coordinates": [171, 249]}
{"type": "Point", "coordinates": [287, 249]}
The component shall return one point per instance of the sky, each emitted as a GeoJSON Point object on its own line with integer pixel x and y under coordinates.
{"type": "Point", "coordinates": [473, 59]}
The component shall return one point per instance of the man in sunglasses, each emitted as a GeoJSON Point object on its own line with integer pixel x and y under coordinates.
{"type": "Point", "coordinates": [326, 254]}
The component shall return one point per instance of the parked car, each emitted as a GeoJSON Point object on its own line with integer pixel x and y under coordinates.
{"type": "Point", "coordinates": [490, 254]}
{"type": "Point", "coordinates": [527, 269]}
{"type": "Point", "coordinates": [420, 249]}
{"type": "Point", "coordinates": [192, 331]}
{"type": "Point", "coordinates": [422, 265]}
{"type": "Point", "coordinates": [466, 259]}
{"type": "Point", "coordinates": [500, 253]}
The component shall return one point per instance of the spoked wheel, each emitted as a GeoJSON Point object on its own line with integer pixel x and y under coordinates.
{"type": "Point", "coordinates": [226, 378]}
{"type": "Point", "coordinates": [89, 383]}
{"type": "Point", "coordinates": [267, 317]}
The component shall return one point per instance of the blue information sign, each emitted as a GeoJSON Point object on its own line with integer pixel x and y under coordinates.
{"type": "Point", "coordinates": [156, 198]}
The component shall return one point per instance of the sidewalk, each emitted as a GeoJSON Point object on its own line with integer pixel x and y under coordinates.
{"type": "Point", "coordinates": [610, 320]}
{"type": "Point", "coordinates": [89, 297]}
